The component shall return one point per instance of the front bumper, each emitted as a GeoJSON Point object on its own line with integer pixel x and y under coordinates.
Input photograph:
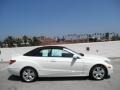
{"type": "Point", "coordinates": [110, 69]}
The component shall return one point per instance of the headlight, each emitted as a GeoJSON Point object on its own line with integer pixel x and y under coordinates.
{"type": "Point", "coordinates": [109, 62]}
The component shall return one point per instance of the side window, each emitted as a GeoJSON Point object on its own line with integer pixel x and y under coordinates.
{"type": "Point", "coordinates": [45, 53]}
{"type": "Point", "coordinates": [33, 52]}
{"type": "Point", "coordinates": [56, 53]}
{"type": "Point", "coordinates": [39, 53]}
{"type": "Point", "coordinates": [66, 54]}
{"type": "Point", "coordinates": [60, 53]}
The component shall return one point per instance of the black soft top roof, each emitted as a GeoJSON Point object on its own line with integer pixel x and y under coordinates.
{"type": "Point", "coordinates": [59, 47]}
{"type": "Point", "coordinates": [30, 53]}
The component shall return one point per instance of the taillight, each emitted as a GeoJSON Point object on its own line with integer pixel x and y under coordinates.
{"type": "Point", "coordinates": [12, 61]}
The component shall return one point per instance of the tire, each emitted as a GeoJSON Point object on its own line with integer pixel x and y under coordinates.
{"type": "Point", "coordinates": [28, 74]}
{"type": "Point", "coordinates": [98, 72]}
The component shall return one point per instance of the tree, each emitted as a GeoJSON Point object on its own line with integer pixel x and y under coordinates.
{"type": "Point", "coordinates": [58, 39]}
{"type": "Point", "coordinates": [0, 44]}
{"type": "Point", "coordinates": [25, 40]}
{"type": "Point", "coordinates": [107, 35]}
{"type": "Point", "coordinates": [35, 41]}
{"type": "Point", "coordinates": [63, 38]}
{"type": "Point", "coordinates": [90, 36]}
{"type": "Point", "coordinates": [30, 41]}
{"type": "Point", "coordinates": [10, 41]}
{"type": "Point", "coordinates": [115, 37]}
{"type": "Point", "coordinates": [18, 42]}
{"type": "Point", "coordinates": [100, 35]}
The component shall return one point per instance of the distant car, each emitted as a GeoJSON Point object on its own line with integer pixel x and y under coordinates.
{"type": "Point", "coordinates": [58, 61]}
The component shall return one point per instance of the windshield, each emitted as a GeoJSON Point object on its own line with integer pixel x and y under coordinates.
{"type": "Point", "coordinates": [75, 52]}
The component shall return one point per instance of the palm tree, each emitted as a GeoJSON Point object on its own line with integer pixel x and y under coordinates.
{"type": "Point", "coordinates": [100, 35]}
{"type": "Point", "coordinates": [95, 34]}
{"type": "Point", "coordinates": [107, 35]}
{"type": "Point", "coordinates": [25, 40]}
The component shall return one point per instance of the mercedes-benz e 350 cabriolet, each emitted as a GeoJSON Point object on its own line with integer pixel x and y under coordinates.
{"type": "Point", "coordinates": [59, 61]}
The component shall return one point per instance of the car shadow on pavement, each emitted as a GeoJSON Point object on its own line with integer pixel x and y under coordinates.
{"type": "Point", "coordinates": [16, 78]}
{"type": "Point", "coordinates": [62, 78]}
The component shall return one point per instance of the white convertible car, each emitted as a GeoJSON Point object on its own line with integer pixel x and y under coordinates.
{"type": "Point", "coordinates": [58, 61]}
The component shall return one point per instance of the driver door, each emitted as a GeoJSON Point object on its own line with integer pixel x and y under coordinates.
{"type": "Point", "coordinates": [61, 62]}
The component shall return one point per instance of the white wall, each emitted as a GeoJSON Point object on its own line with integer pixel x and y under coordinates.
{"type": "Point", "coordinates": [108, 49]}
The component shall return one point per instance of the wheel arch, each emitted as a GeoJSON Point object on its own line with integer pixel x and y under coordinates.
{"type": "Point", "coordinates": [99, 65]}
{"type": "Point", "coordinates": [28, 67]}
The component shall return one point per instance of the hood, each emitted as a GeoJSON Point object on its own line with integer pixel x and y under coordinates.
{"type": "Point", "coordinates": [95, 57]}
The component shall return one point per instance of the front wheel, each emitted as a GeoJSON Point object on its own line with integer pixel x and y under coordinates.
{"type": "Point", "coordinates": [98, 72]}
{"type": "Point", "coordinates": [28, 74]}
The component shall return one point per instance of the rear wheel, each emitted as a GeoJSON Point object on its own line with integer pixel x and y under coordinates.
{"type": "Point", "coordinates": [98, 72]}
{"type": "Point", "coordinates": [28, 74]}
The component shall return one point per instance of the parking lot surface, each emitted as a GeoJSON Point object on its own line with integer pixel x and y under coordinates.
{"type": "Point", "coordinates": [8, 82]}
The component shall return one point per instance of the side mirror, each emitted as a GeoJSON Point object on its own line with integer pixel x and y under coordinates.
{"type": "Point", "coordinates": [76, 57]}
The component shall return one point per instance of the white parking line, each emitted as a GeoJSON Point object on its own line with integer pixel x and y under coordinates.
{"type": "Point", "coordinates": [2, 69]}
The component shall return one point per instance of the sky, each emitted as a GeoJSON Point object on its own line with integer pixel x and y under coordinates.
{"type": "Point", "coordinates": [58, 17]}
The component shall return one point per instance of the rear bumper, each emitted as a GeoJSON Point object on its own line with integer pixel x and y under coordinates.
{"type": "Point", "coordinates": [14, 71]}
